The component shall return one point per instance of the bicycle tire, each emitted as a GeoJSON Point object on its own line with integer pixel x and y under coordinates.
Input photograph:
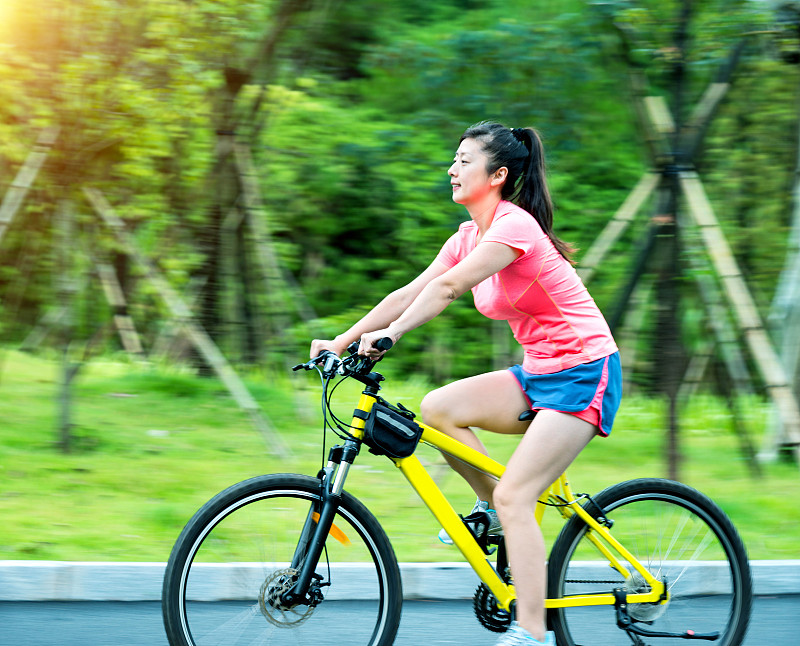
{"type": "Point", "coordinates": [237, 548]}
{"type": "Point", "coordinates": [676, 532]}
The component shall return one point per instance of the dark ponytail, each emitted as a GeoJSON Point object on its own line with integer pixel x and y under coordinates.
{"type": "Point", "coordinates": [521, 151]}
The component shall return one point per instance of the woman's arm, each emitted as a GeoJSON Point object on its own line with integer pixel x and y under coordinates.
{"type": "Point", "coordinates": [485, 260]}
{"type": "Point", "coordinates": [383, 313]}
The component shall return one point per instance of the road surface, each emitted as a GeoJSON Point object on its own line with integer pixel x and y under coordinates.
{"type": "Point", "coordinates": [775, 622]}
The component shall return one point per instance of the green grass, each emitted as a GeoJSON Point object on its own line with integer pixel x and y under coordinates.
{"type": "Point", "coordinates": [153, 444]}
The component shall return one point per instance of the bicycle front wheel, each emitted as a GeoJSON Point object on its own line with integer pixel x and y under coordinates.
{"type": "Point", "coordinates": [682, 538]}
{"type": "Point", "coordinates": [236, 553]}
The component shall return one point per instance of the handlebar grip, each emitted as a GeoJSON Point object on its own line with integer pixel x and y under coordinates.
{"type": "Point", "coordinates": [384, 344]}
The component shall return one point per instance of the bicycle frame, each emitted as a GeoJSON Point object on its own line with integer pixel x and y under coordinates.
{"type": "Point", "coordinates": [559, 492]}
{"type": "Point", "coordinates": [317, 525]}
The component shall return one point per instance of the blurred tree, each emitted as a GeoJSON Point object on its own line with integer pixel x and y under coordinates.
{"type": "Point", "coordinates": [674, 158]}
{"type": "Point", "coordinates": [353, 111]}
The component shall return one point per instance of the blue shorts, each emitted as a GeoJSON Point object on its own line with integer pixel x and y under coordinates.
{"type": "Point", "coordinates": [590, 391]}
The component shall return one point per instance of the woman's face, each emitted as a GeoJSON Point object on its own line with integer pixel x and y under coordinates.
{"type": "Point", "coordinates": [468, 177]}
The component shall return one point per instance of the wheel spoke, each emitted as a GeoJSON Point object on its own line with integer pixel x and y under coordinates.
{"type": "Point", "coordinates": [680, 536]}
{"type": "Point", "coordinates": [233, 562]}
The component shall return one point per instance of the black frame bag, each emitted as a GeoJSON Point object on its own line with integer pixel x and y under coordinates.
{"type": "Point", "coordinates": [390, 431]}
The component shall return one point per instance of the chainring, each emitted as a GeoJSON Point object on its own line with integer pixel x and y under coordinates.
{"type": "Point", "coordinates": [488, 613]}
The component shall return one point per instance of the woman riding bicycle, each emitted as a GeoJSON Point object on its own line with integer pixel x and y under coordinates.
{"type": "Point", "coordinates": [519, 271]}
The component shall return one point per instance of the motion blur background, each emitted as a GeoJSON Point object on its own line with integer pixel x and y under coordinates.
{"type": "Point", "coordinates": [265, 171]}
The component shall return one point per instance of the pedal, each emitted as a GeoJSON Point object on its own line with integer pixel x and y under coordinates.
{"type": "Point", "coordinates": [478, 524]}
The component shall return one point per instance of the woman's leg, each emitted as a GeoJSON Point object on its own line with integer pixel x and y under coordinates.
{"type": "Point", "coordinates": [492, 401]}
{"type": "Point", "coordinates": [550, 444]}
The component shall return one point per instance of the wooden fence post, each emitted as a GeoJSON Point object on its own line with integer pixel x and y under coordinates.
{"type": "Point", "coordinates": [22, 183]}
{"type": "Point", "coordinates": [194, 332]}
{"type": "Point", "coordinates": [617, 225]}
{"type": "Point", "coordinates": [763, 354]}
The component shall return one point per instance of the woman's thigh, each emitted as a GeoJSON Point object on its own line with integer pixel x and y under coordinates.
{"type": "Point", "coordinates": [549, 446]}
{"type": "Point", "coordinates": [492, 401]}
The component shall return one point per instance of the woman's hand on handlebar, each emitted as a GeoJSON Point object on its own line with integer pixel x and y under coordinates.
{"type": "Point", "coordinates": [318, 346]}
{"type": "Point", "coordinates": [367, 346]}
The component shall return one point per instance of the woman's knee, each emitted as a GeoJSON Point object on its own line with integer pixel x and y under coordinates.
{"type": "Point", "coordinates": [432, 408]}
{"type": "Point", "coordinates": [504, 500]}
{"type": "Point", "coordinates": [511, 501]}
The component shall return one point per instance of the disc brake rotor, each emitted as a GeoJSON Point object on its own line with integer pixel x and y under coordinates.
{"type": "Point", "coordinates": [272, 608]}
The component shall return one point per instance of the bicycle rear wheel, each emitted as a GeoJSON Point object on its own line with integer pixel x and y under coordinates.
{"type": "Point", "coordinates": [237, 551]}
{"type": "Point", "coordinates": [682, 537]}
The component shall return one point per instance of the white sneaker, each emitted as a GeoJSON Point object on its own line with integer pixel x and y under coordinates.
{"type": "Point", "coordinates": [495, 529]}
{"type": "Point", "coordinates": [518, 636]}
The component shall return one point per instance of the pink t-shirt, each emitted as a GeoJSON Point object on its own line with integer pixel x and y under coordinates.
{"type": "Point", "coordinates": [540, 294]}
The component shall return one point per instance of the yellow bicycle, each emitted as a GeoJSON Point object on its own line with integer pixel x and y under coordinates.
{"type": "Point", "coordinates": [279, 558]}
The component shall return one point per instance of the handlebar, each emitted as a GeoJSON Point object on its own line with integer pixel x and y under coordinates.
{"type": "Point", "coordinates": [384, 344]}
{"type": "Point", "coordinates": [352, 365]}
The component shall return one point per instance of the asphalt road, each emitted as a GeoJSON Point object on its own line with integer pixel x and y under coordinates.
{"type": "Point", "coordinates": [775, 622]}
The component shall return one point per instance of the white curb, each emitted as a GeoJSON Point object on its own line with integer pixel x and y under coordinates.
{"type": "Point", "coordinates": [91, 581]}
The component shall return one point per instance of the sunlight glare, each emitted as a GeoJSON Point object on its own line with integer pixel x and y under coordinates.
{"type": "Point", "coordinates": [7, 10]}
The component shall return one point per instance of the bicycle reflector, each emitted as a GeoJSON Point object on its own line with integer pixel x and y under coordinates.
{"type": "Point", "coordinates": [337, 533]}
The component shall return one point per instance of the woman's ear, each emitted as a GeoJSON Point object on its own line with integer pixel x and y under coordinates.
{"type": "Point", "coordinates": [498, 178]}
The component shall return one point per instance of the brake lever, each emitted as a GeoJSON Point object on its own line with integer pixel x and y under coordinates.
{"type": "Point", "coordinates": [331, 361]}
{"type": "Point", "coordinates": [327, 355]}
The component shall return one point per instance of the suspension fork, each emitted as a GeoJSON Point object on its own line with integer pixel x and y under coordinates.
{"type": "Point", "coordinates": [318, 523]}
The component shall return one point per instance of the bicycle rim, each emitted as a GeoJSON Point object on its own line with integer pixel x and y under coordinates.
{"type": "Point", "coordinates": [239, 552]}
{"type": "Point", "coordinates": [682, 538]}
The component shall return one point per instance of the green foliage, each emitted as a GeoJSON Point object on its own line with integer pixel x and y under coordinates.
{"type": "Point", "coordinates": [353, 111]}
{"type": "Point", "coordinates": [154, 445]}
{"type": "Point", "coordinates": [751, 156]}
